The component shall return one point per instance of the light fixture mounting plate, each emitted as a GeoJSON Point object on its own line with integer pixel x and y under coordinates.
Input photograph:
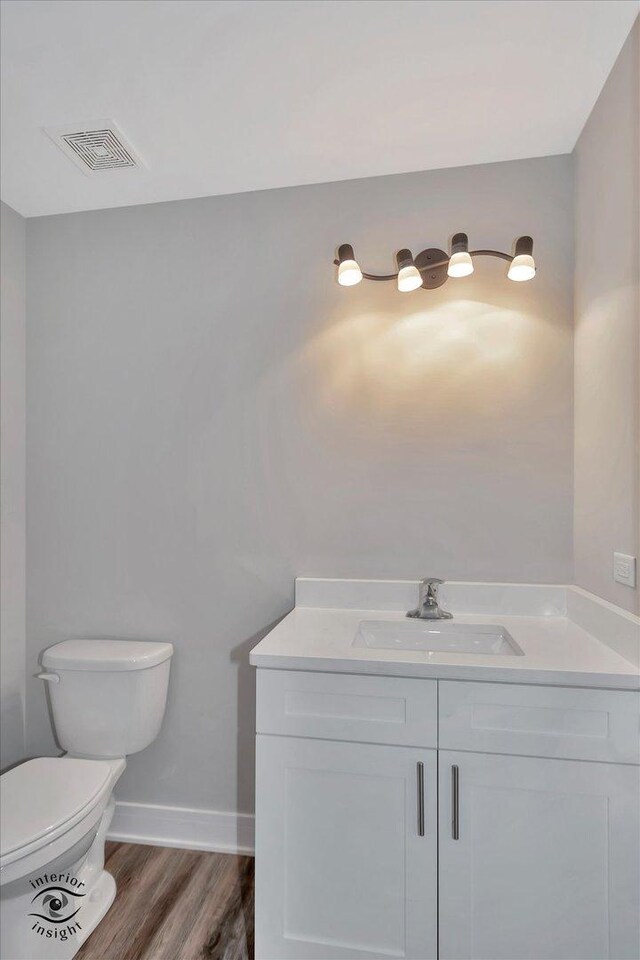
{"type": "Point", "coordinates": [432, 264]}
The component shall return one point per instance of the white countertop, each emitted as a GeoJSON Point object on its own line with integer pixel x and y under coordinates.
{"type": "Point", "coordinates": [557, 650]}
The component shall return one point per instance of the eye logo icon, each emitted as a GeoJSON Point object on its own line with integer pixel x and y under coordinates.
{"type": "Point", "coordinates": [56, 904]}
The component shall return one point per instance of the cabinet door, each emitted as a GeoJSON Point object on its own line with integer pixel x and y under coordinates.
{"type": "Point", "coordinates": [344, 866]}
{"type": "Point", "coordinates": [545, 864]}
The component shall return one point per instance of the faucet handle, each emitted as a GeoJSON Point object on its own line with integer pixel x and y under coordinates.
{"type": "Point", "coordinates": [429, 585]}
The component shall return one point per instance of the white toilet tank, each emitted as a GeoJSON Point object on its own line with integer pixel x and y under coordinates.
{"type": "Point", "coordinates": [110, 695]}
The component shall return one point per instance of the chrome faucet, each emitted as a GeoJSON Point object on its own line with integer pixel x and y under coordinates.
{"type": "Point", "coordinates": [428, 607]}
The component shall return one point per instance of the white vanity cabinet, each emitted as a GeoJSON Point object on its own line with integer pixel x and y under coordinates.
{"type": "Point", "coordinates": [424, 818]}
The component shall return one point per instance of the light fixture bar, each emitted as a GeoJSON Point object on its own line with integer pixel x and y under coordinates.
{"type": "Point", "coordinates": [491, 253]}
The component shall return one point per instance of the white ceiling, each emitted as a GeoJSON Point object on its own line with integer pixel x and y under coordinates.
{"type": "Point", "coordinates": [222, 96]}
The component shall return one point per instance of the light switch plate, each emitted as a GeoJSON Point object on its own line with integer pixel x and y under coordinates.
{"type": "Point", "coordinates": [624, 569]}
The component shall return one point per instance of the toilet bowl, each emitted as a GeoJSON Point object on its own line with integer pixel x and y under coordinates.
{"type": "Point", "coordinates": [108, 699]}
{"type": "Point", "coordinates": [55, 812]}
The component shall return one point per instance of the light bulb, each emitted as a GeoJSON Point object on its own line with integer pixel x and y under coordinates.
{"type": "Point", "coordinates": [460, 264]}
{"type": "Point", "coordinates": [522, 267]}
{"type": "Point", "coordinates": [409, 279]}
{"type": "Point", "coordinates": [349, 272]}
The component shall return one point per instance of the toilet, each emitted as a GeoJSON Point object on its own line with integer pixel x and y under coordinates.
{"type": "Point", "coordinates": [107, 701]}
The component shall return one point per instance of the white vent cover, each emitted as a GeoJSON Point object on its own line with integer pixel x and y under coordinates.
{"type": "Point", "coordinates": [96, 147]}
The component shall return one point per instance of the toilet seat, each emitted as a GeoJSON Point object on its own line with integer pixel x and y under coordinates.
{"type": "Point", "coordinates": [48, 804]}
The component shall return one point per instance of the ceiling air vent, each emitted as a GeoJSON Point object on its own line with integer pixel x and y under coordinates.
{"type": "Point", "coordinates": [96, 147]}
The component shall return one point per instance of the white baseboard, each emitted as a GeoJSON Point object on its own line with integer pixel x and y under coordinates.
{"type": "Point", "coordinates": [182, 827]}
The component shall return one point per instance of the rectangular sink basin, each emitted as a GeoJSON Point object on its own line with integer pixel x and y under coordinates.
{"type": "Point", "coordinates": [436, 636]}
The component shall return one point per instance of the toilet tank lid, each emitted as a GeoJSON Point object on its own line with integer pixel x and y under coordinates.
{"type": "Point", "coordinates": [106, 654]}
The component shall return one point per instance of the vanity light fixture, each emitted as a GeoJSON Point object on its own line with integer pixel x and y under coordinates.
{"type": "Point", "coordinates": [432, 267]}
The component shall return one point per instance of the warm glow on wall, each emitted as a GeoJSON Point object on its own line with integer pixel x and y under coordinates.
{"type": "Point", "coordinates": [465, 359]}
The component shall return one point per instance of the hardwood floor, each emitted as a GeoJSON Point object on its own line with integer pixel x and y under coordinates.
{"type": "Point", "coordinates": [175, 905]}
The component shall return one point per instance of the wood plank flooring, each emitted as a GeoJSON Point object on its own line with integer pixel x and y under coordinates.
{"type": "Point", "coordinates": [175, 905]}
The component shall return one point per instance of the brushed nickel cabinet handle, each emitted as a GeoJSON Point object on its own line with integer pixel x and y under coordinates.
{"type": "Point", "coordinates": [420, 773]}
{"type": "Point", "coordinates": [455, 803]}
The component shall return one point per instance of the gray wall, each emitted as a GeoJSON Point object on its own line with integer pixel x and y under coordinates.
{"type": "Point", "coordinates": [607, 354]}
{"type": "Point", "coordinates": [210, 415]}
{"type": "Point", "coordinates": [12, 497]}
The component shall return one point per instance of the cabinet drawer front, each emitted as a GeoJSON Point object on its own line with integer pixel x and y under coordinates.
{"type": "Point", "coordinates": [332, 706]}
{"type": "Point", "coordinates": [557, 722]}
